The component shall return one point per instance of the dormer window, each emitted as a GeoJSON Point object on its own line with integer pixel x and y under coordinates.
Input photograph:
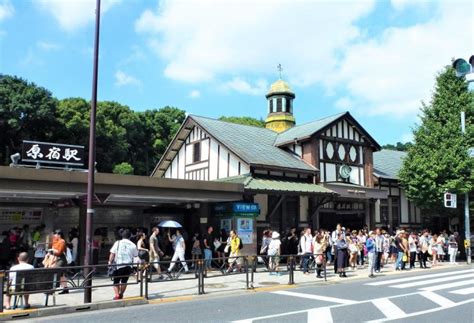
{"type": "Point", "coordinates": [197, 152]}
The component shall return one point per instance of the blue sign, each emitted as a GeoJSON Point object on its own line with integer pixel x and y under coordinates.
{"type": "Point", "coordinates": [246, 208]}
{"type": "Point", "coordinates": [239, 208]}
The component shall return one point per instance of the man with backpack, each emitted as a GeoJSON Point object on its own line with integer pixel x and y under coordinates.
{"type": "Point", "coordinates": [235, 247]}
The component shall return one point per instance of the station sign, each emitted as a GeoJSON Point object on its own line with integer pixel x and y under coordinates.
{"type": "Point", "coordinates": [52, 153]}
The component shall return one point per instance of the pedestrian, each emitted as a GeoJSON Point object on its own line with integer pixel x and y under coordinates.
{"type": "Point", "coordinates": [361, 239]}
{"type": "Point", "coordinates": [235, 246]}
{"type": "Point", "coordinates": [292, 242]}
{"type": "Point", "coordinates": [22, 265]}
{"type": "Point", "coordinates": [371, 254]}
{"type": "Point", "coordinates": [434, 250]}
{"type": "Point", "coordinates": [122, 254]}
{"type": "Point", "coordinates": [179, 247]}
{"type": "Point", "coordinates": [196, 251]}
{"type": "Point", "coordinates": [319, 248]}
{"type": "Point", "coordinates": [266, 240]}
{"type": "Point", "coordinates": [219, 244]}
{"type": "Point", "coordinates": [334, 236]}
{"type": "Point", "coordinates": [353, 249]}
{"type": "Point", "coordinates": [274, 252]}
{"type": "Point", "coordinates": [155, 251]}
{"type": "Point", "coordinates": [342, 258]}
{"type": "Point", "coordinates": [207, 243]}
{"type": "Point", "coordinates": [423, 244]}
{"type": "Point", "coordinates": [400, 249]}
{"type": "Point", "coordinates": [59, 250]}
{"type": "Point", "coordinates": [379, 249]}
{"type": "Point", "coordinates": [453, 247]}
{"type": "Point", "coordinates": [412, 248]}
{"type": "Point", "coordinates": [306, 245]}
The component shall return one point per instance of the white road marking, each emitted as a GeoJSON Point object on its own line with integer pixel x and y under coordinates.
{"type": "Point", "coordinates": [465, 291]}
{"type": "Point", "coordinates": [450, 285]}
{"type": "Point", "coordinates": [389, 309]}
{"type": "Point", "coordinates": [436, 309]}
{"type": "Point", "coordinates": [320, 315]}
{"type": "Point", "coordinates": [407, 279]}
{"type": "Point", "coordinates": [316, 297]}
{"type": "Point", "coordinates": [432, 281]}
{"type": "Point", "coordinates": [438, 299]}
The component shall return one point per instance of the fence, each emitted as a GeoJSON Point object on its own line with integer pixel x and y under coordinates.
{"type": "Point", "coordinates": [46, 281]}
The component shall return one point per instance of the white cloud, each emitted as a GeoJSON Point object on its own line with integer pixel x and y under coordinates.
{"type": "Point", "coordinates": [344, 103]}
{"type": "Point", "coordinates": [47, 46]}
{"type": "Point", "coordinates": [122, 79]}
{"type": "Point", "coordinates": [237, 84]}
{"type": "Point", "coordinates": [194, 94]}
{"type": "Point", "coordinates": [6, 9]}
{"type": "Point", "coordinates": [206, 40]}
{"type": "Point", "coordinates": [74, 14]}
{"type": "Point", "coordinates": [392, 74]}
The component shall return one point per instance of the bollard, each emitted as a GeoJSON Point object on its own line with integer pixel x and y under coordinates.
{"type": "Point", "coordinates": [142, 272]}
{"type": "Point", "coordinates": [147, 277]}
{"type": "Point", "coordinates": [291, 278]}
{"type": "Point", "coordinates": [2, 280]}
{"type": "Point", "coordinates": [200, 269]}
{"type": "Point", "coordinates": [325, 263]}
{"type": "Point", "coordinates": [246, 266]}
{"type": "Point", "coordinates": [253, 271]}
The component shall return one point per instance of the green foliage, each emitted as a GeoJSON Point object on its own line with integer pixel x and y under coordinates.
{"type": "Point", "coordinates": [399, 146]}
{"type": "Point", "coordinates": [123, 168]}
{"type": "Point", "coordinates": [27, 112]}
{"type": "Point", "coordinates": [249, 121]}
{"type": "Point", "coordinates": [438, 160]}
{"type": "Point", "coordinates": [122, 135]}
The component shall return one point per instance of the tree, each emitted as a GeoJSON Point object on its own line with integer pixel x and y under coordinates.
{"type": "Point", "coordinates": [438, 160]}
{"type": "Point", "coordinates": [249, 121]}
{"type": "Point", "coordinates": [27, 112]}
{"type": "Point", "coordinates": [399, 146]}
{"type": "Point", "coordinates": [123, 168]}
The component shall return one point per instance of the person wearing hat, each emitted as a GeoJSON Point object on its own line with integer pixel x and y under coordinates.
{"type": "Point", "coordinates": [274, 251]}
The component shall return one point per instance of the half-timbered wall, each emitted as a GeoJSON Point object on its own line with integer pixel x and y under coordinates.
{"type": "Point", "coordinates": [295, 148]}
{"type": "Point", "coordinates": [341, 144]}
{"type": "Point", "coordinates": [215, 160]}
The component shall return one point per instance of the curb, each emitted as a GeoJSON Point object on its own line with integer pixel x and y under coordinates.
{"type": "Point", "coordinates": [133, 301]}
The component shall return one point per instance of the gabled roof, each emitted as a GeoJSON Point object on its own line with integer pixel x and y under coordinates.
{"type": "Point", "coordinates": [254, 145]}
{"type": "Point", "coordinates": [306, 130]}
{"type": "Point", "coordinates": [387, 163]}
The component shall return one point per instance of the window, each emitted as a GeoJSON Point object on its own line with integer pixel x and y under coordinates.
{"type": "Point", "coordinates": [196, 152]}
{"type": "Point", "coordinates": [288, 105]}
{"type": "Point", "coordinates": [279, 105]}
{"type": "Point", "coordinates": [271, 105]}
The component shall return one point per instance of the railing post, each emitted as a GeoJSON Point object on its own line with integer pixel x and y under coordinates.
{"type": "Point", "coordinates": [2, 280]}
{"type": "Point", "coordinates": [147, 273]}
{"type": "Point", "coordinates": [200, 269]}
{"type": "Point", "coordinates": [141, 270]}
{"type": "Point", "coordinates": [253, 270]}
{"type": "Point", "coordinates": [291, 274]}
{"type": "Point", "coordinates": [246, 266]}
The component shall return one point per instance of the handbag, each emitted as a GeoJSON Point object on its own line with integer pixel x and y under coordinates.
{"type": "Point", "coordinates": [404, 258]}
{"type": "Point", "coordinates": [217, 244]}
{"type": "Point", "coordinates": [113, 266]}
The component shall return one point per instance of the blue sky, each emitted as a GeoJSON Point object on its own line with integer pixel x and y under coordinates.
{"type": "Point", "coordinates": [376, 59]}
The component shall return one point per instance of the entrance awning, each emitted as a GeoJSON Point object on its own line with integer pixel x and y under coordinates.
{"type": "Point", "coordinates": [46, 186]}
{"type": "Point", "coordinates": [277, 186]}
{"type": "Point", "coordinates": [356, 192]}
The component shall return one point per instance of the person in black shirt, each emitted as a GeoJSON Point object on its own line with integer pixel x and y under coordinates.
{"type": "Point", "coordinates": [207, 244]}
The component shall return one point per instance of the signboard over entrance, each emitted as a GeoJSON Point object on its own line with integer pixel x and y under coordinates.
{"type": "Point", "coordinates": [51, 153]}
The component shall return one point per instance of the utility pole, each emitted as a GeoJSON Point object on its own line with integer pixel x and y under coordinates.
{"type": "Point", "coordinates": [91, 169]}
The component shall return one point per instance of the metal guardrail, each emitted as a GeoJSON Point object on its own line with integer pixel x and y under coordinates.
{"type": "Point", "coordinates": [46, 280]}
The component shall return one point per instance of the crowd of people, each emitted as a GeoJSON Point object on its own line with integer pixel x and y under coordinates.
{"type": "Point", "coordinates": [344, 249]}
{"type": "Point", "coordinates": [341, 248]}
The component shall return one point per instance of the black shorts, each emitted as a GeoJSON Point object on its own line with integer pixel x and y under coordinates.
{"type": "Point", "coordinates": [121, 275]}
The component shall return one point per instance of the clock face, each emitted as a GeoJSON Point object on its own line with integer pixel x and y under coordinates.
{"type": "Point", "coordinates": [345, 171]}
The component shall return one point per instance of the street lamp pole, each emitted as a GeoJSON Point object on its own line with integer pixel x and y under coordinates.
{"type": "Point", "coordinates": [91, 169]}
{"type": "Point", "coordinates": [465, 69]}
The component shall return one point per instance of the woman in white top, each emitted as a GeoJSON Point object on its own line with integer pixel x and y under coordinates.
{"type": "Point", "coordinates": [319, 246]}
{"type": "Point", "coordinates": [274, 251]}
{"type": "Point", "coordinates": [179, 248]}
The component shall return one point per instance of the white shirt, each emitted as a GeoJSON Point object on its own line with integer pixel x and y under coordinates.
{"type": "Point", "coordinates": [274, 247]}
{"type": "Point", "coordinates": [127, 250]}
{"type": "Point", "coordinates": [179, 244]}
{"type": "Point", "coordinates": [306, 243]}
{"type": "Point", "coordinates": [20, 266]}
{"type": "Point", "coordinates": [412, 244]}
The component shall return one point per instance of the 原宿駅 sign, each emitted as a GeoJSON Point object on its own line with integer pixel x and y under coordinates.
{"type": "Point", "coordinates": [51, 153]}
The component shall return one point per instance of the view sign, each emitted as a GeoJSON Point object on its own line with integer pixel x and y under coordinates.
{"type": "Point", "coordinates": [51, 153]}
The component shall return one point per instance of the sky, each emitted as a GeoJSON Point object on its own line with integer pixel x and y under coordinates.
{"type": "Point", "coordinates": [376, 59]}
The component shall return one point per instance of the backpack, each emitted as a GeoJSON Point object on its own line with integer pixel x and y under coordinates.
{"type": "Point", "coordinates": [241, 245]}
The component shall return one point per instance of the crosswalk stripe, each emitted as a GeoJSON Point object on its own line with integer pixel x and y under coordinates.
{"type": "Point", "coordinates": [432, 281]}
{"type": "Point", "coordinates": [450, 285]}
{"type": "Point", "coordinates": [389, 309]}
{"type": "Point", "coordinates": [316, 297]}
{"type": "Point", "coordinates": [465, 291]}
{"type": "Point", "coordinates": [438, 299]}
{"type": "Point", "coordinates": [407, 279]}
{"type": "Point", "coordinates": [320, 315]}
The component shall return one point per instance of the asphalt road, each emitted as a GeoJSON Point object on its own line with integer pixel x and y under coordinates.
{"type": "Point", "coordinates": [417, 296]}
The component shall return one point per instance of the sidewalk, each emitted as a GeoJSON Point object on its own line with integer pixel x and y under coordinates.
{"type": "Point", "coordinates": [178, 290]}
